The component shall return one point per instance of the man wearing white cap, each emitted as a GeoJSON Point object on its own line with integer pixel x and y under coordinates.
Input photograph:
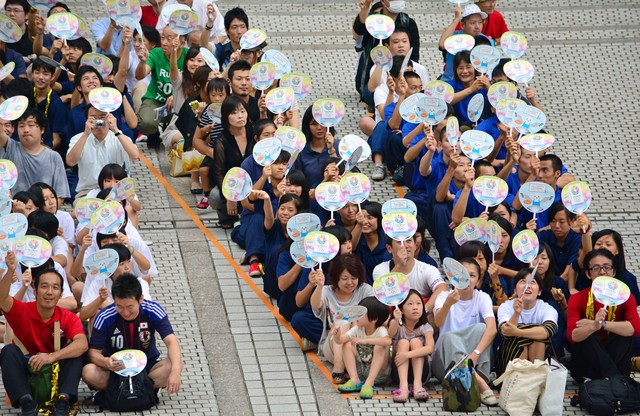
{"type": "Point", "coordinates": [471, 19]}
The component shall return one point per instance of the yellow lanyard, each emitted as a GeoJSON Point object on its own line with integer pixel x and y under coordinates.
{"type": "Point", "coordinates": [590, 313]}
{"type": "Point", "coordinates": [35, 96]}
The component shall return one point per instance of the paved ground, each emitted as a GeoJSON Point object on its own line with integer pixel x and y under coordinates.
{"type": "Point", "coordinates": [240, 357]}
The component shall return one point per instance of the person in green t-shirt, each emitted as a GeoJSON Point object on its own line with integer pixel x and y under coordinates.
{"type": "Point", "coordinates": [156, 63]}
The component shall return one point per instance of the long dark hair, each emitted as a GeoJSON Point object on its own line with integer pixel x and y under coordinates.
{"type": "Point", "coordinates": [306, 121]}
{"type": "Point", "coordinates": [375, 210]}
{"type": "Point", "coordinates": [619, 262]}
{"type": "Point", "coordinates": [297, 178]}
{"type": "Point", "coordinates": [188, 86]}
{"type": "Point", "coordinates": [297, 201]}
{"type": "Point", "coordinates": [549, 277]}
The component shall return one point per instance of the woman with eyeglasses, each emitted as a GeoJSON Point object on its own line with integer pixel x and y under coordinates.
{"type": "Point", "coordinates": [602, 336]}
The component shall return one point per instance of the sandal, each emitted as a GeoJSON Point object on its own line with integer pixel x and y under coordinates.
{"type": "Point", "coordinates": [400, 396]}
{"type": "Point", "coordinates": [351, 386]}
{"type": "Point", "coordinates": [421, 395]}
{"type": "Point", "coordinates": [339, 378]}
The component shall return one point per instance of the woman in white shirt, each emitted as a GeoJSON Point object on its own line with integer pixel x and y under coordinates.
{"type": "Point", "coordinates": [467, 326]}
{"type": "Point", "coordinates": [526, 322]}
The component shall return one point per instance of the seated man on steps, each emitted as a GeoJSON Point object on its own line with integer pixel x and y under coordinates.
{"type": "Point", "coordinates": [33, 324]}
{"type": "Point", "coordinates": [131, 322]}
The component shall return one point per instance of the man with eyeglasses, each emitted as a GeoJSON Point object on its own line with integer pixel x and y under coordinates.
{"type": "Point", "coordinates": [18, 11]}
{"type": "Point", "coordinates": [602, 336]}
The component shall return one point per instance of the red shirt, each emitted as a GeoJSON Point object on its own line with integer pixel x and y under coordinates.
{"type": "Point", "coordinates": [493, 27]}
{"type": "Point", "coordinates": [149, 17]}
{"type": "Point", "coordinates": [37, 335]}
{"type": "Point", "coordinates": [577, 309]}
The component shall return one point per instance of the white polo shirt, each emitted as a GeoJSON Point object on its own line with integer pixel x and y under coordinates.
{"type": "Point", "coordinates": [96, 155]}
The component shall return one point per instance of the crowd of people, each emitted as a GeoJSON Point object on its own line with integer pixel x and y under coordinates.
{"type": "Point", "coordinates": [66, 149]}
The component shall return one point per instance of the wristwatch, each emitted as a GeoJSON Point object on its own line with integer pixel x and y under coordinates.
{"type": "Point", "coordinates": [603, 325]}
{"type": "Point", "coordinates": [477, 352]}
{"type": "Point", "coordinates": [118, 133]}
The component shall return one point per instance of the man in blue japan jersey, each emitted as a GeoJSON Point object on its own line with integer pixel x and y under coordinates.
{"type": "Point", "coordinates": [131, 323]}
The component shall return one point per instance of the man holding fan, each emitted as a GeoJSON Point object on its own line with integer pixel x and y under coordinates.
{"type": "Point", "coordinates": [131, 323]}
{"type": "Point", "coordinates": [156, 63]}
{"type": "Point", "coordinates": [601, 335]}
{"type": "Point", "coordinates": [34, 324]}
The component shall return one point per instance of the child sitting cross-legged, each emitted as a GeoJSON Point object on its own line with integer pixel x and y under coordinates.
{"type": "Point", "coordinates": [412, 344]}
{"type": "Point", "coordinates": [365, 349]}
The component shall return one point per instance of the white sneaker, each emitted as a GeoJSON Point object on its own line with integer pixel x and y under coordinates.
{"type": "Point", "coordinates": [379, 173]}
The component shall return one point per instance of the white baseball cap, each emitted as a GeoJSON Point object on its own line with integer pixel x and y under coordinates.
{"type": "Point", "coordinates": [470, 9]}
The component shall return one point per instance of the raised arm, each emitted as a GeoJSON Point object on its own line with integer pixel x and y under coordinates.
{"type": "Point", "coordinates": [451, 28]}
{"type": "Point", "coordinates": [120, 80]}
{"type": "Point", "coordinates": [316, 297]}
{"type": "Point", "coordinates": [269, 218]}
{"type": "Point", "coordinates": [460, 207]}
{"type": "Point", "coordinates": [443, 188]}
{"type": "Point", "coordinates": [75, 151]}
{"type": "Point", "coordinates": [173, 60]}
{"type": "Point", "coordinates": [105, 42]}
{"type": "Point", "coordinates": [425, 163]}
{"type": "Point", "coordinates": [142, 70]}
{"type": "Point", "coordinates": [6, 301]}
{"type": "Point", "coordinates": [535, 167]}
{"type": "Point", "coordinates": [441, 314]}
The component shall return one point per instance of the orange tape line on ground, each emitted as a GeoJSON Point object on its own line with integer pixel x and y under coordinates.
{"type": "Point", "coordinates": [431, 396]}
{"type": "Point", "coordinates": [194, 217]}
{"type": "Point", "coordinates": [399, 190]}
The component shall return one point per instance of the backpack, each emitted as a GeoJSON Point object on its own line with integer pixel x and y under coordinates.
{"type": "Point", "coordinates": [460, 391]}
{"type": "Point", "coordinates": [130, 393]}
{"type": "Point", "coordinates": [615, 395]}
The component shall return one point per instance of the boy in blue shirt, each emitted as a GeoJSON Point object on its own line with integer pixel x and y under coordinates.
{"type": "Point", "coordinates": [471, 19]}
{"type": "Point", "coordinates": [131, 323]}
{"type": "Point", "coordinates": [546, 169]}
{"type": "Point", "coordinates": [49, 103]}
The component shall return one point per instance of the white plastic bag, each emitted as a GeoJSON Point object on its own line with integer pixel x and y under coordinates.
{"type": "Point", "coordinates": [551, 401]}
